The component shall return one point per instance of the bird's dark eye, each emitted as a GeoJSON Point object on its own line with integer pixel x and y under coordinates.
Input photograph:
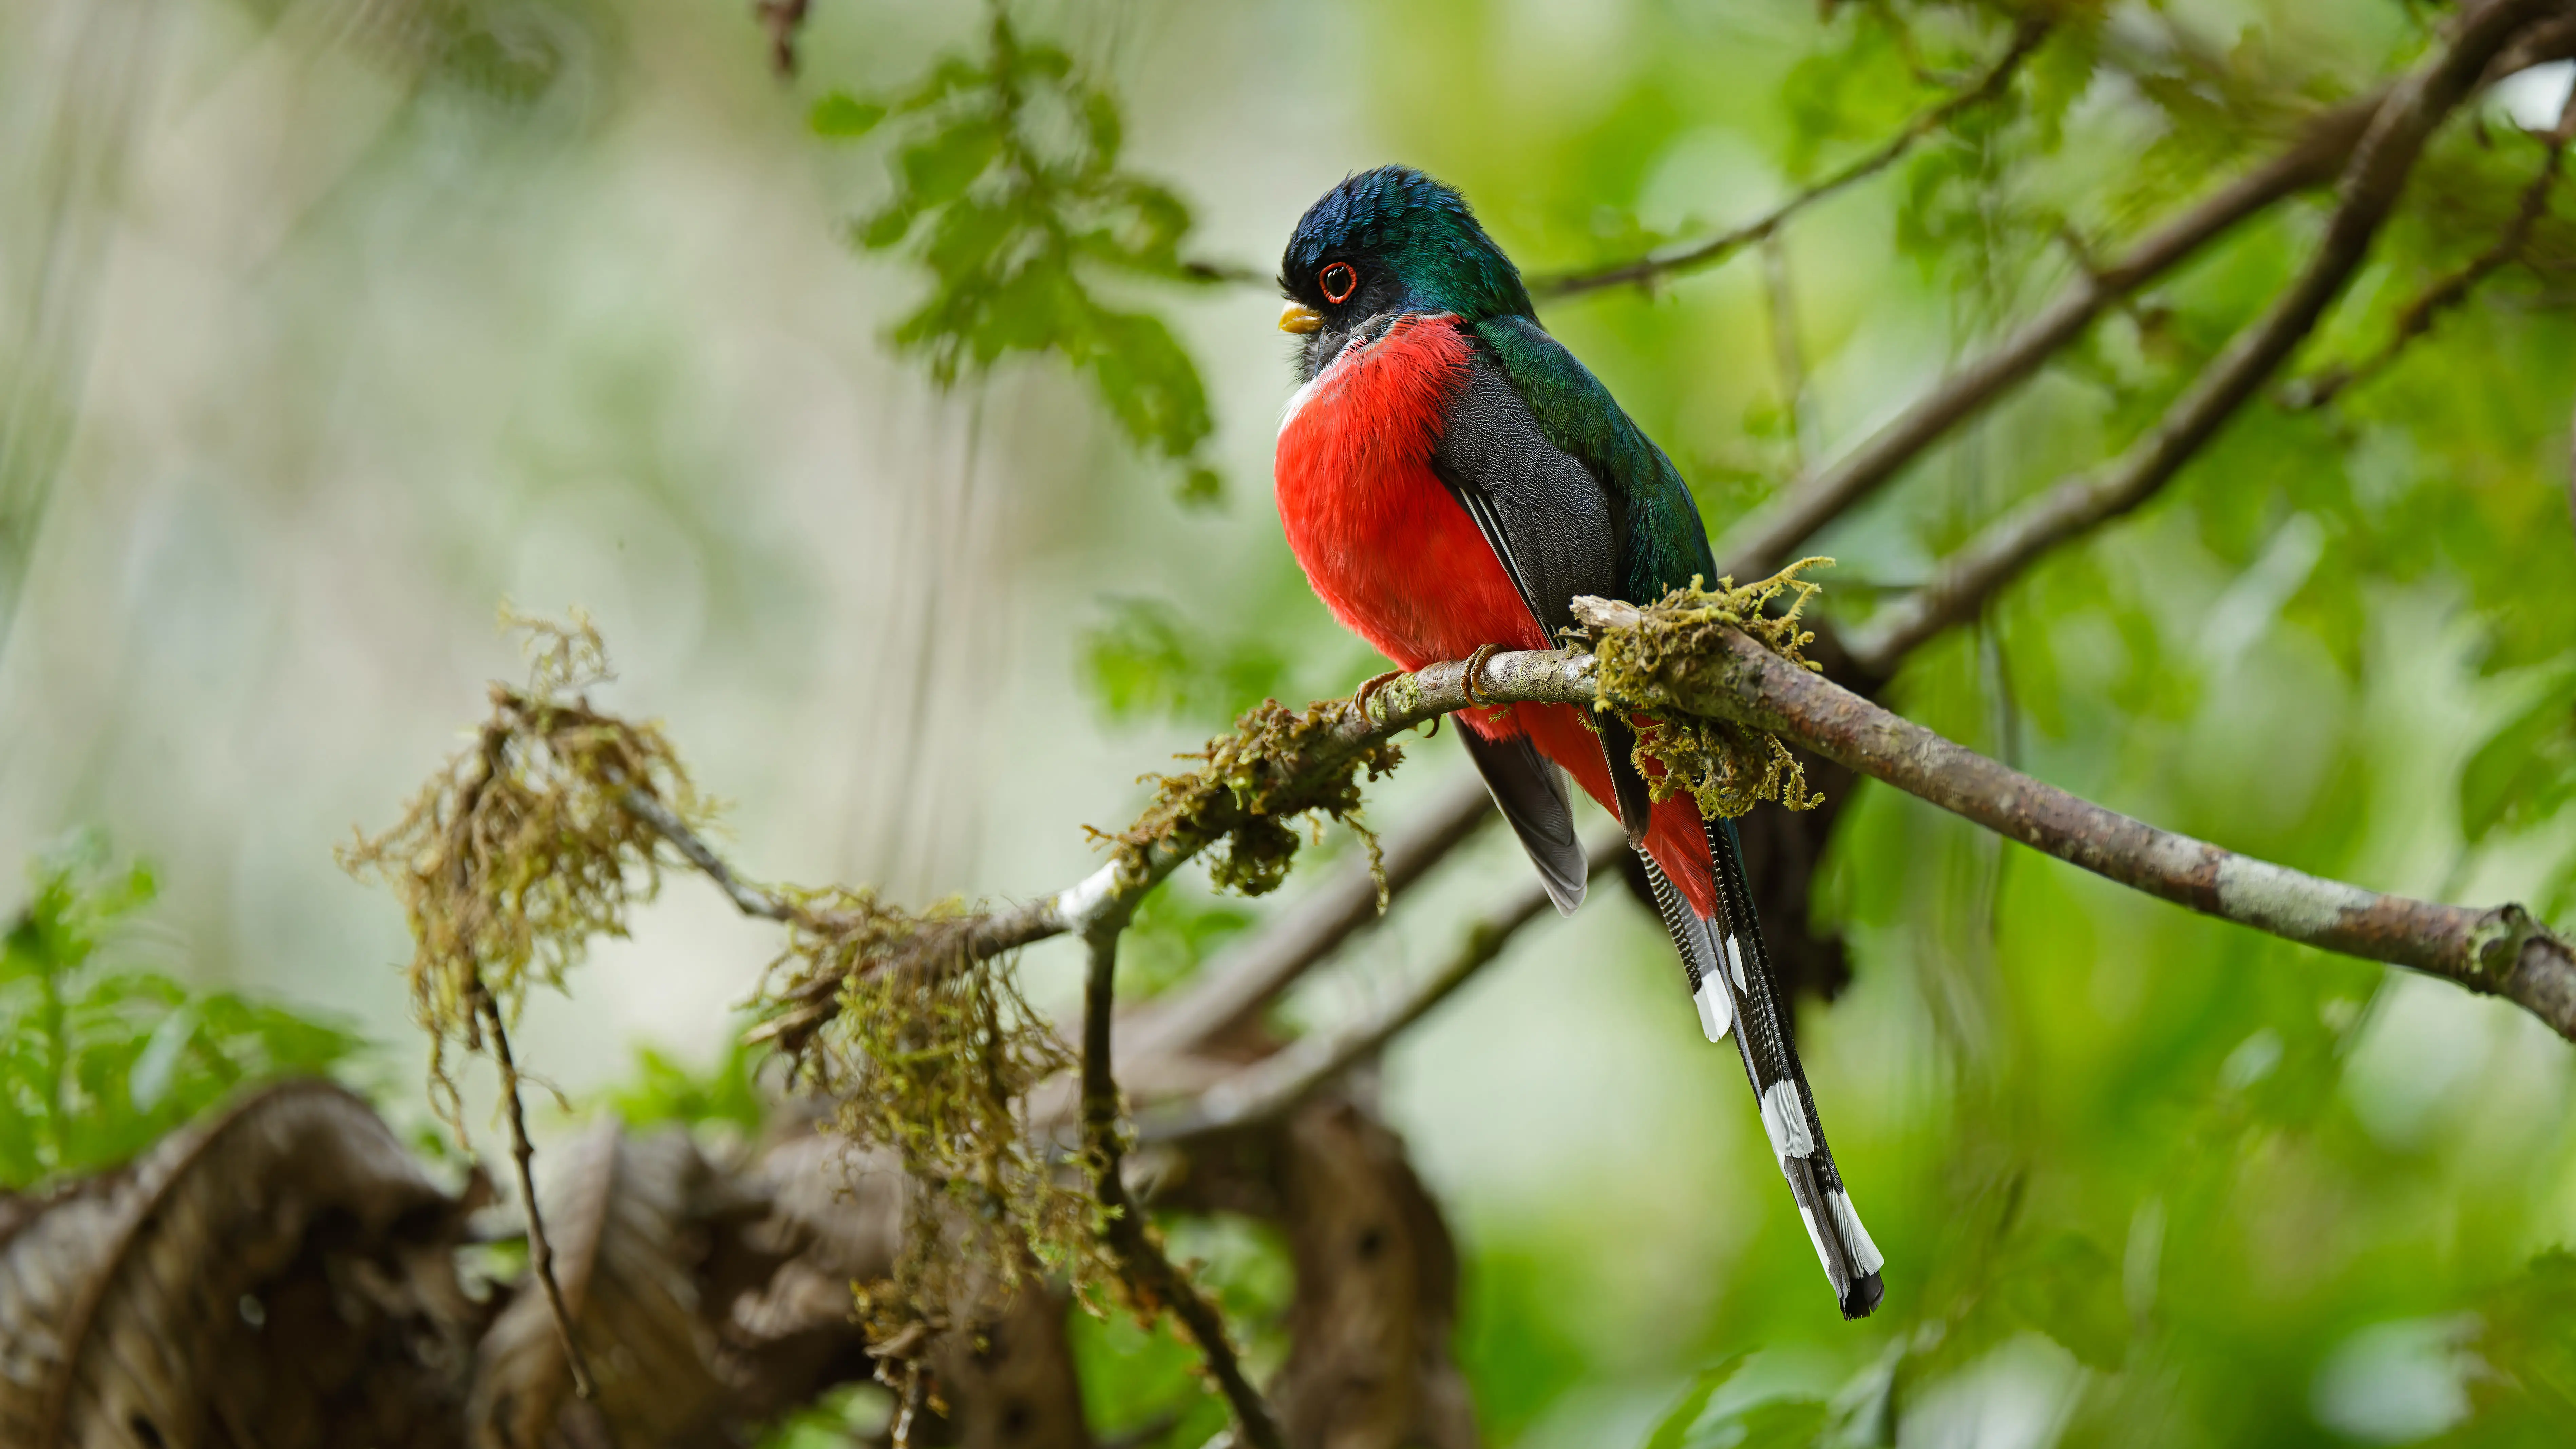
{"type": "Point", "coordinates": [1338, 282]}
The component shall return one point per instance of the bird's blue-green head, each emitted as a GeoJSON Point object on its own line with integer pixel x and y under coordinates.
{"type": "Point", "coordinates": [1389, 241]}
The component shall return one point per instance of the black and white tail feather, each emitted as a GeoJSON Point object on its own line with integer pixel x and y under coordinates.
{"type": "Point", "coordinates": [1733, 985]}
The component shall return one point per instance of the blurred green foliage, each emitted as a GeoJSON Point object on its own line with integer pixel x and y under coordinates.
{"type": "Point", "coordinates": [1008, 191]}
{"type": "Point", "coordinates": [727, 1093]}
{"type": "Point", "coordinates": [1149, 661]}
{"type": "Point", "coordinates": [1173, 934]}
{"type": "Point", "coordinates": [96, 1061]}
{"type": "Point", "coordinates": [2140, 1178]}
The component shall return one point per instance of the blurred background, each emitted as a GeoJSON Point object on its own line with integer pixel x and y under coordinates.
{"type": "Point", "coordinates": [327, 326]}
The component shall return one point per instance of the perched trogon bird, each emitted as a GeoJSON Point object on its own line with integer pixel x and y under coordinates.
{"type": "Point", "coordinates": [1451, 478]}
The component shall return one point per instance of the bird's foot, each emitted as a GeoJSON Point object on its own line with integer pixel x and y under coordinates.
{"type": "Point", "coordinates": [1360, 696]}
{"type": "Point", "coordinates": [1475, 680]}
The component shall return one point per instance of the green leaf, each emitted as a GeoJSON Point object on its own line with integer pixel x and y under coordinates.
{"type": "Point", "coordinates": [938, 169]}
{"type": "Point", "coordinates": [665, 1089]}
{"type": "Point", "coordinates": [1148, 661]}
{"type": "Point", "coordinates": [841, 116]}
{"type": "Point", "coordinates": [1778, 1424]}
{"type": "Point", "coordinates": [96, 1064]}
{"type": "Point", "coordinates": [149, 1083]}
{"type": "Point", "coordinates": [2526, 770]}
{"type": "Point", "coordinates": [1672, 1431]}
{"type": "Point", "coordinates": [1009, 195]}
{"type": "Point", "coordinates": [2068, 1288]}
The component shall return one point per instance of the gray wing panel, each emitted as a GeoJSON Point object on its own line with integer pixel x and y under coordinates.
{"type": "Point", "coordinates": [1540, 508]}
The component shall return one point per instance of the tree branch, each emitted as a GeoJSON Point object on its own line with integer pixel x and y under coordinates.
{"type": "Point", "coordinates": [1772, 534]}
{"type": "Point", "coordinates": [1658, 264]}
{"type": "Point", "coordinates": [1112, 892]}
{"type": "Point", "coordinates": [2501, 951]}
{"type": "Point", "coordinates": [2418, 316]}
{"type": "Point", "coordinates": [2369, 189]}
{"type": "Point", "coordinates": [1151, 1278]}
{"type": "Point", "coordinates": [1283, 1080]}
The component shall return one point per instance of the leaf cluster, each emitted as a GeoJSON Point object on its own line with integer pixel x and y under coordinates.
{"type": "Point", "coordinates": [97, 1061]}
{"type": "Point", "coordinates": [1009, 193]}
{"type": "Point", "coordinates": [1147, 660]}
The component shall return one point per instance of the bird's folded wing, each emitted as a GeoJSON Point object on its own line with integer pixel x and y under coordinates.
{"type": "Point", "coordinates": [1549, 522]}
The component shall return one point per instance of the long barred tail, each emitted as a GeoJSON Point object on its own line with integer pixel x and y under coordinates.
{"type": "Point", "coordinates": [1732, 983]}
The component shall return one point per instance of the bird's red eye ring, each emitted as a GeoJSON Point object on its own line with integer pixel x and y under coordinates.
{"type": "Point", "coordinates": [1338, 282]}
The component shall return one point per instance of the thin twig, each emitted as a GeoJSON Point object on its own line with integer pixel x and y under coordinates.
{"type": "Point", "coordinates": [782, 19]}
{"type": "Point", "coordinates": [1151, 1277]}
{"type": "Point", "coordinates": [751, 900]}
{"type": "Point", "coordinates": [2369, 190]}
{"type": "Point", "coordinates": [1272, 1086]}
{"type": "Point", "coordinates": [541, 1253]}
{"type": "Point", "coordinates": [1663, 263]}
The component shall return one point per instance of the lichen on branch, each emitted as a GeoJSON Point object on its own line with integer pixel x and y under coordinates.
{"type": "Point", "coordinates": [518, 851]}
{"type": "Point", "coordinates": [931, 1054]}
{"type": "Point", "coordinates": [1244, 800]}
{"type": "Point", "coordinates": [1662, 661]}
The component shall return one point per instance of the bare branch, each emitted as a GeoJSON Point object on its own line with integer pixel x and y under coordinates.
{"type": "Point", "coordinates": [1150, 1276]}
{"type": "Point", "coordinates": [1772, 534]}
{"type": "Point", "coordinates": [541, 1252]}
{"type": "Point", "coordinates": [1663, 263]}
{"type": "Point", "coordinates": [2369, 189]}
{"type": "Point", "coordinates": [750, 899]}
{"type": "Point", "coordinates": [1283, 1080]}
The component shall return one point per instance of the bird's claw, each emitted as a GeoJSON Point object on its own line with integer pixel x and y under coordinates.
{"type": "Point", "coordinates": [1474, 682]}
{"type": "Point", "coordinates": [1360, 696]}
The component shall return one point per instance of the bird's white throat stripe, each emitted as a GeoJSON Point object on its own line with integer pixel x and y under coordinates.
{"type": "Point", "coordinates": [1735, 963]}
{"type": "Point", "coordinates": [1304, 395]}
{"type": "Point", "coordinates": [1716, 1008]}
{"type": "Point", "coordinates": [1785, 1121]}
{"type": "Point", "coordinates": [1864, 1253]}
{"type": "Point", "coordinates": [1297, 402]}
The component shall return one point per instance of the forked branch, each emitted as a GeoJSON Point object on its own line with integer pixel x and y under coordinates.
{"type": "Point", "coordinates": [2368, 191]}
{"type": "Point", "coordinates": [2419, 314]}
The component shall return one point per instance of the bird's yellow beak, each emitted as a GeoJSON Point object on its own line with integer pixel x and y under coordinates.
{"type": "Point", "coordinates": [1301, 319]}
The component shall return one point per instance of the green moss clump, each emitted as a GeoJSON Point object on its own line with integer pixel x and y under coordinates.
{"type": "Point", "coordinates": [1243, 802]}
{"type": "Point", "coordinates": [519, 850]}
{"type": "Point", "coordinates": [932, 1055]}
{"type": "Point", "coordinates": [1663, 667]}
